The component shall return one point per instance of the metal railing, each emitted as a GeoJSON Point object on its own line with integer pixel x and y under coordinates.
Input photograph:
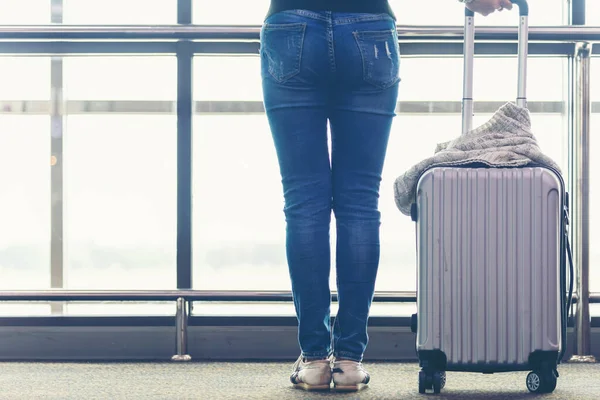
{"type": "Point", "coordinates": [581, 191]}
{"type": "Point", "coordinates": [185, 298]}
{"type": "Point", "coordinates": [59, 38]}
{"type": "Point", "coordinates": [237, 32]}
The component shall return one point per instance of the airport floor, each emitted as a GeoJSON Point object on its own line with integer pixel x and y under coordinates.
{"type": "Point", "coordinates": [264, 381]}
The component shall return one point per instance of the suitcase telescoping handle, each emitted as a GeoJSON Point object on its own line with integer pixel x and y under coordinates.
{"type": "Point", "coordinates": [469, 54]}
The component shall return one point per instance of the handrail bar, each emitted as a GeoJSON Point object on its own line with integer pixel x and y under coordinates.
{"type": "Point", "coordinates": [172, 295]}
{"type": "Point", "coordinates": [184, 298]}
{"type": "Point", "coordinates": [195, 295]}
{"type": "Point", "coordinates": [406, 33]}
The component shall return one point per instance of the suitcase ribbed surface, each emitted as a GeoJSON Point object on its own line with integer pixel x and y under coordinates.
{"type": "Point", "coordinates": [489, 263]}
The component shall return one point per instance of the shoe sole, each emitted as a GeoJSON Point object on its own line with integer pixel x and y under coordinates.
{"type": "Point", "coordinates": [350, 388]}
{"type": "Point", "coordinates": [311, 388]}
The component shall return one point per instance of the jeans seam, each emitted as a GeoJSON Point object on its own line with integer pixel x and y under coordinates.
{"type": "Point", "coordinates": [306, 13]}
{"type": "Point", "coordinates": [348, 355]}
{"type": "Point", "coordinates": [313, 354]}
{"type": "Point", "coordinates": [339, 21]}
{"type": "Point", "coordinates": [356, 35]}
{"type": "Point", "coordinates": [337, 329]}
{"type": "Point", "coordinates": [364, 18]}
{"type": "Point", "coordinates": [330, 45]}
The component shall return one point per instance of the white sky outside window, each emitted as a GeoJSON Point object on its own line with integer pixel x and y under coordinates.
{"type": "Point", "coordinates": [119, 12]}
{"type": "Point", "coordinates": [24, 205]}
{"type": "Point", "coordinates": [120, 194]}
{"type": "Point", "coordinates": [25, 166]}
{"type": "Point", "coordinates": [408, 12]}
{"type": "Point", "coordinates": [24, 78]}
{"type": "Point", "coordinates": [120, 78]}
{"type": "Point", "coordinates": [24, 12]}
{"type": "Point", "coordinates": [120, 176]}
{"type": "Point", "coordinates": [592, 13]}
{"type": "Point", "coordinates": [450, 12]}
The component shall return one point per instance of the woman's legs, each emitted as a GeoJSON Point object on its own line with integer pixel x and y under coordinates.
{"type": "Point", "coordinates": [361, 117]}
{"type": "Point", "coordinates": [359, 142]}
{"type": "Point", "coordinates": [341, 67]}
{"type": "Point", "coordinates": [304, 163]}
{"type": "Point", "coordinates": [365, 96]}
{"type": "Point", "coordinates": [294, 70]}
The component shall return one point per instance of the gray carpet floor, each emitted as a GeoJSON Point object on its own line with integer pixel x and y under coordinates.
{"type": "Point", "coordinates": [204, 380]}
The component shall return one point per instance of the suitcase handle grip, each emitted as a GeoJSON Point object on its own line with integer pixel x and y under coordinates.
{"type": "Point", "coordinates": [522, 4]}
{"type": "Point", "coordinates": [469, 54]}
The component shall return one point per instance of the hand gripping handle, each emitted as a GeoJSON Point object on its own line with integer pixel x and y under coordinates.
{"type": "Point", "coordinates": [522, 4]}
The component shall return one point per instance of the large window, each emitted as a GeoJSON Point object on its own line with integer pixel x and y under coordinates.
{"type": "Point", "coordinates": [120, 154]}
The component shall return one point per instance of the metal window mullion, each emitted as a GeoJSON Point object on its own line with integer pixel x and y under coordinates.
{"type": "Point", "coordinates": [581, 184]}
{"type": "Point", "coordinates": [184, 12]}
{"type": "Point", "coordinates": [577, 12]}
{"type": "Point", "coordinates": [57, 272]}
{"type": "Point", "coordinates": [184, 150]}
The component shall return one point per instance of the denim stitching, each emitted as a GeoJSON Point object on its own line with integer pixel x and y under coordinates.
{"type": "Point", "coordinates": [367, 73]}
{"type": "Point", "coordinates": [348, 356]}
{"type": "Point", "coordinates": [298, 58]}
{"type": "Point", "coordinates": [306, 13]}
{"type": "Point", "coordinates": [362, 18]}
{"type": "Point", "coordinates": [357, 35]}
{"type": "Point", "coordinates": [315, 354]}
{"type": "Point", "coordinates": [330, 40]}
{"type": "Point", "coordinates": [337, 329]}
{"type": "Point", "coordinates": [341, 20]}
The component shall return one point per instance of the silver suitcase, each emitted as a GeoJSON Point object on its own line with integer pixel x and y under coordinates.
{"type": "Point", "coordinates": [491, 254]}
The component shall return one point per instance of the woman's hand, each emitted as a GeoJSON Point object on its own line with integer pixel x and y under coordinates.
{"type": "Point", "coordinates": [486, 7]}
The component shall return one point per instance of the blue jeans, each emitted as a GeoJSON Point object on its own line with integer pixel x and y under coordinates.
{"type": "Point", "coordinates": [320, 67]}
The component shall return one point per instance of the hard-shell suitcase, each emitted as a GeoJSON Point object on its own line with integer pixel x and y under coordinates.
{"type": "Point", "coordinates": [491, 253]}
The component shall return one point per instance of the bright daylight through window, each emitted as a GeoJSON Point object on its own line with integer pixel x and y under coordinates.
{"type": "Point", "coordinates": [120, 158]}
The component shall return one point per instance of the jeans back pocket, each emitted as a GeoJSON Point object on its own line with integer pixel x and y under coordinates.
{"type": "Point", "coordinates": [380, 56]}
{"type": "Point", "coordinates": [281, 49]}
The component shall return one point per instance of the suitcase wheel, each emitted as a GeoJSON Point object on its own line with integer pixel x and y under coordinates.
{"type": "Point", "coordinates": [431, 380]}
{"type": "Point", "coordinates": [542, 381]}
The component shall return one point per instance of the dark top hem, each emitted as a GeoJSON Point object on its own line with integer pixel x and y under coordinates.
{"type": "Point", "coordinates": [349, 6]}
